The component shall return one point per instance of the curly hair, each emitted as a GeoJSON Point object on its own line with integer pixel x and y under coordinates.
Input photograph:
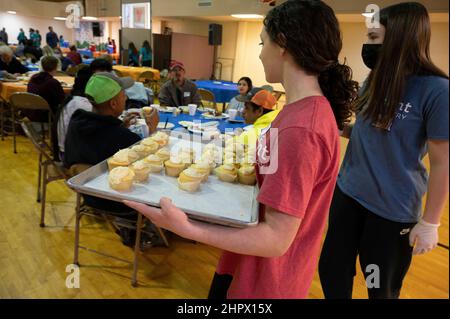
{"type": "Point", "coordinates": [315, 47]}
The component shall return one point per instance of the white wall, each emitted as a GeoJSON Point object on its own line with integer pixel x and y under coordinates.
{"type": "Point", "coordinates": [354, 35]}
{"type": "Point", "coordinates": [12, 24]}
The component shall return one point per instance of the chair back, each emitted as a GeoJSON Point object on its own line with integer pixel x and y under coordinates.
{"type": "Point", "coordinates": [28, 101]}
{"type": "Point", "coordinates": [42, 147]}
{"type": "Point", "coordinates": [72, 70]}
{"type": "Point", "coordinates": [208, 97]}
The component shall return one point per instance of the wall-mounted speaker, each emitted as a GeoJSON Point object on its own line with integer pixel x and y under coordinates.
{"type": "Point", "coordinates": [215, 34]}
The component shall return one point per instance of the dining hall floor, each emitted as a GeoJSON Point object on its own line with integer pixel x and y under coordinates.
{"type": "Point", "coordinates": [33, 260]}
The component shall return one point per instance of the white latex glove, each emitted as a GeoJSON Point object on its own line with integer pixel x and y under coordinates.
{"type": "Point", "coordinates": [424, 237]}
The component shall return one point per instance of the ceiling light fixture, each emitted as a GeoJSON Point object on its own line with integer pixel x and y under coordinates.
{"type": "Point", "coordinates": [60, 18]}
{"type": "Point", "coordinates": [368, 14]}
{"type": "Point", "coordinates": [247, 16]}
{"type": "Point", "coordinates": [12, 12]}
{"type": "Point", "coordinates": [89, 18]}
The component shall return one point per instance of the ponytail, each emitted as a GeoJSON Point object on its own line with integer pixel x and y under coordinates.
{"type": "Point", "coordinates": [340, 90]}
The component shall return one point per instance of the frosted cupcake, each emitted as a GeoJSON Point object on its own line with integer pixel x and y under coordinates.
{"type": "Point", "coordinates": [121, 178]}
{"type": "Point", "coordinates": [203, 168]}
{"type": "Point", "coordinates": [151, 145]}
{"type": "Point", "coordinates": [142, 150]}
{"type": "Point", "coordinates": [141, 171]}
{"type": "Point", "coordinates": [190, 179]}
{"type": "Point", "coordinates": [163, 154]}
{"type": "Point", "coordinates": [174, 166]}
{"type": "Point", "coordinates": [155, 163]}
{"type": "Point", "coordinates": [226, 173]}
{"type": "Point", "coordinates": [247, 174]}
{"type": "Point", "coordinates": [161, 138]}
{"type": "Point", "coordinates": [122, 158]}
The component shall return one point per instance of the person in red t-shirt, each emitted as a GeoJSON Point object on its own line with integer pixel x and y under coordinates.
{"type": "Point", "coordinates": [297, 162]}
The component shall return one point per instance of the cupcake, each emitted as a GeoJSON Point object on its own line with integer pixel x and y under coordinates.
{"type": "Point", "coordinates": [203, 168]}
{"type": "Point", "coordinates": [163, 154]}
{"type": "Point", "coordinates": [226, 173]}
{"type": "Point", "coordinates": [191, 175]}
{"type": "Point", "coordinates": [188, 186]}
{"type": "Point", "coordinates": [174, 166]}
{"type": "Point", "coordinates": [141, 171]}
{"type": "Point", "coordinates": [122, 158]}
{"type": "Point", "coordinates": [151, 145]}
{"type": "Point", "coordinates": [155, 163]}
{"type": "Point", "coordinates": [142, 150]}
{"type": "Point", "coordinates": [247, 174]}
{"type": "Point", "coordinates": [121, 178]}
{"type": "Point", "coordinates": [161, 138]}
{"type": "Point", "coordinates": [189, 180]}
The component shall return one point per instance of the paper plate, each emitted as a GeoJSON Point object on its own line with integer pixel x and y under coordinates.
{"type": "Point", "coordinates": [168, 127]}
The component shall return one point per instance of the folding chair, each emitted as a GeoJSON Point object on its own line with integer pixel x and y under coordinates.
{"type": "Point", "coordinates": [208, 96]}
{"type": "Point", "coordinates": [28, 101]}
{"type": "Point", "coordinates": [113, 220]}
{"type": "Point", "coordinates": [3, 110]}
{"type": "Point", "coordinates": [49, 170]}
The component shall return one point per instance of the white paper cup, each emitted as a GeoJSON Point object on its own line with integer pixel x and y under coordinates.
{"type": "Point", "coordinates": [232, 113]}
{"type": "Point", "coordinates": [192, 109]}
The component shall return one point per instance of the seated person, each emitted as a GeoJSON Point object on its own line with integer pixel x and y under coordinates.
{"type": "Point", "coordinates": [178, 91]}
{"type": "Point", "coordinates": [76, 100]}
{"type": "Point", "coordinates": [244, 86]}
{"type": "Point", "coordinates": [74, 56]}
{"type": "Point", "coordinates": [95, 136]}
{"type": "Point", "coordinates": [6, 75]}
{"type": "Point", "coordinates": [138, 95]}
{"type": "Point", "coordinates": [31, 49]}
{"type": "Point", "coordinates": [45, 85]}
{"type": "Point", "coordinates": [9, 63]}
{"type": "Point", "coordinates": [260, 111]}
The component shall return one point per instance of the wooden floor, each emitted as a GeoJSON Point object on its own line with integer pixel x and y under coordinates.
{"type": "Point", "coordinates": [33, 260]}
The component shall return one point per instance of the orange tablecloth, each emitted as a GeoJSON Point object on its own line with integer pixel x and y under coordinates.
{"type": "Point", "coordinates": [8, 88]}
{"type": "Point", "coordinates": [134, 72]}
{"type": "Point", "coordinates": [115, 56]}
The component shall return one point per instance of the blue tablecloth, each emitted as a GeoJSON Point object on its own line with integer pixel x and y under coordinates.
{"type": "Point", "coordinates": [85, 52]}
{"type": "Point", "coordinates": [223, 124]}
{"type": "Point", "coordinates": [223, 91]}
{"type": "Point", "coordinates": [89, 61]}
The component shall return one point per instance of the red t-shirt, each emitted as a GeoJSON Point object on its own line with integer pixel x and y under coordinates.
{"type": "Point", "coordinates": [301, 185]}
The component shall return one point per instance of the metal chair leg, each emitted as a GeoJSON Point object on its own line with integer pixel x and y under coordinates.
{"type": "Point", "coordinates": [38, 199]}
{"type": "Point", "coordinates": [3, 121]}
{"type": "Point", "coordinates": [164, 238]}
{"type": "Point", "coordinates": [136, 250]}
{"type": "Point", "coordinates": [77, 230]}
{"type": "Point", "coordinates": [14, 131]}
{"type": "Point", "coordinates": [44, 191]}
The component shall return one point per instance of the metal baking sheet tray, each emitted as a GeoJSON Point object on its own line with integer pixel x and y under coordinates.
{"type": "Point", "coordinates": [216, 202]}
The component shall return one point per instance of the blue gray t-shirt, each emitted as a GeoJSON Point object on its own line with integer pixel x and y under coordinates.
{"type": "Point", "coordinates": [383, 170]}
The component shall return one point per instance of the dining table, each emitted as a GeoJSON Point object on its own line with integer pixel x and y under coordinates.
{"type": "Point", "coordinates": [224, 125]}
{"type": "Point", "coordinates": [9, 88]}
{"type": "Point", "coordinates": [135, 72]}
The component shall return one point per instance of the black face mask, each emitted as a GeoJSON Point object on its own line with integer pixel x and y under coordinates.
{"type": "Point", "coordinates": [370, 54]}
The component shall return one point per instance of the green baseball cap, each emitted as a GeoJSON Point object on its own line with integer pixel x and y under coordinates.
{"type": "Point", "coordinates": [103, 86]}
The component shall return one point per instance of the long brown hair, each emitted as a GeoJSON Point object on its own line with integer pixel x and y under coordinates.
{"type": "Point", "coordinates": [405, 52]}
{"type": "Point", "coordinates": [309, 31]}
